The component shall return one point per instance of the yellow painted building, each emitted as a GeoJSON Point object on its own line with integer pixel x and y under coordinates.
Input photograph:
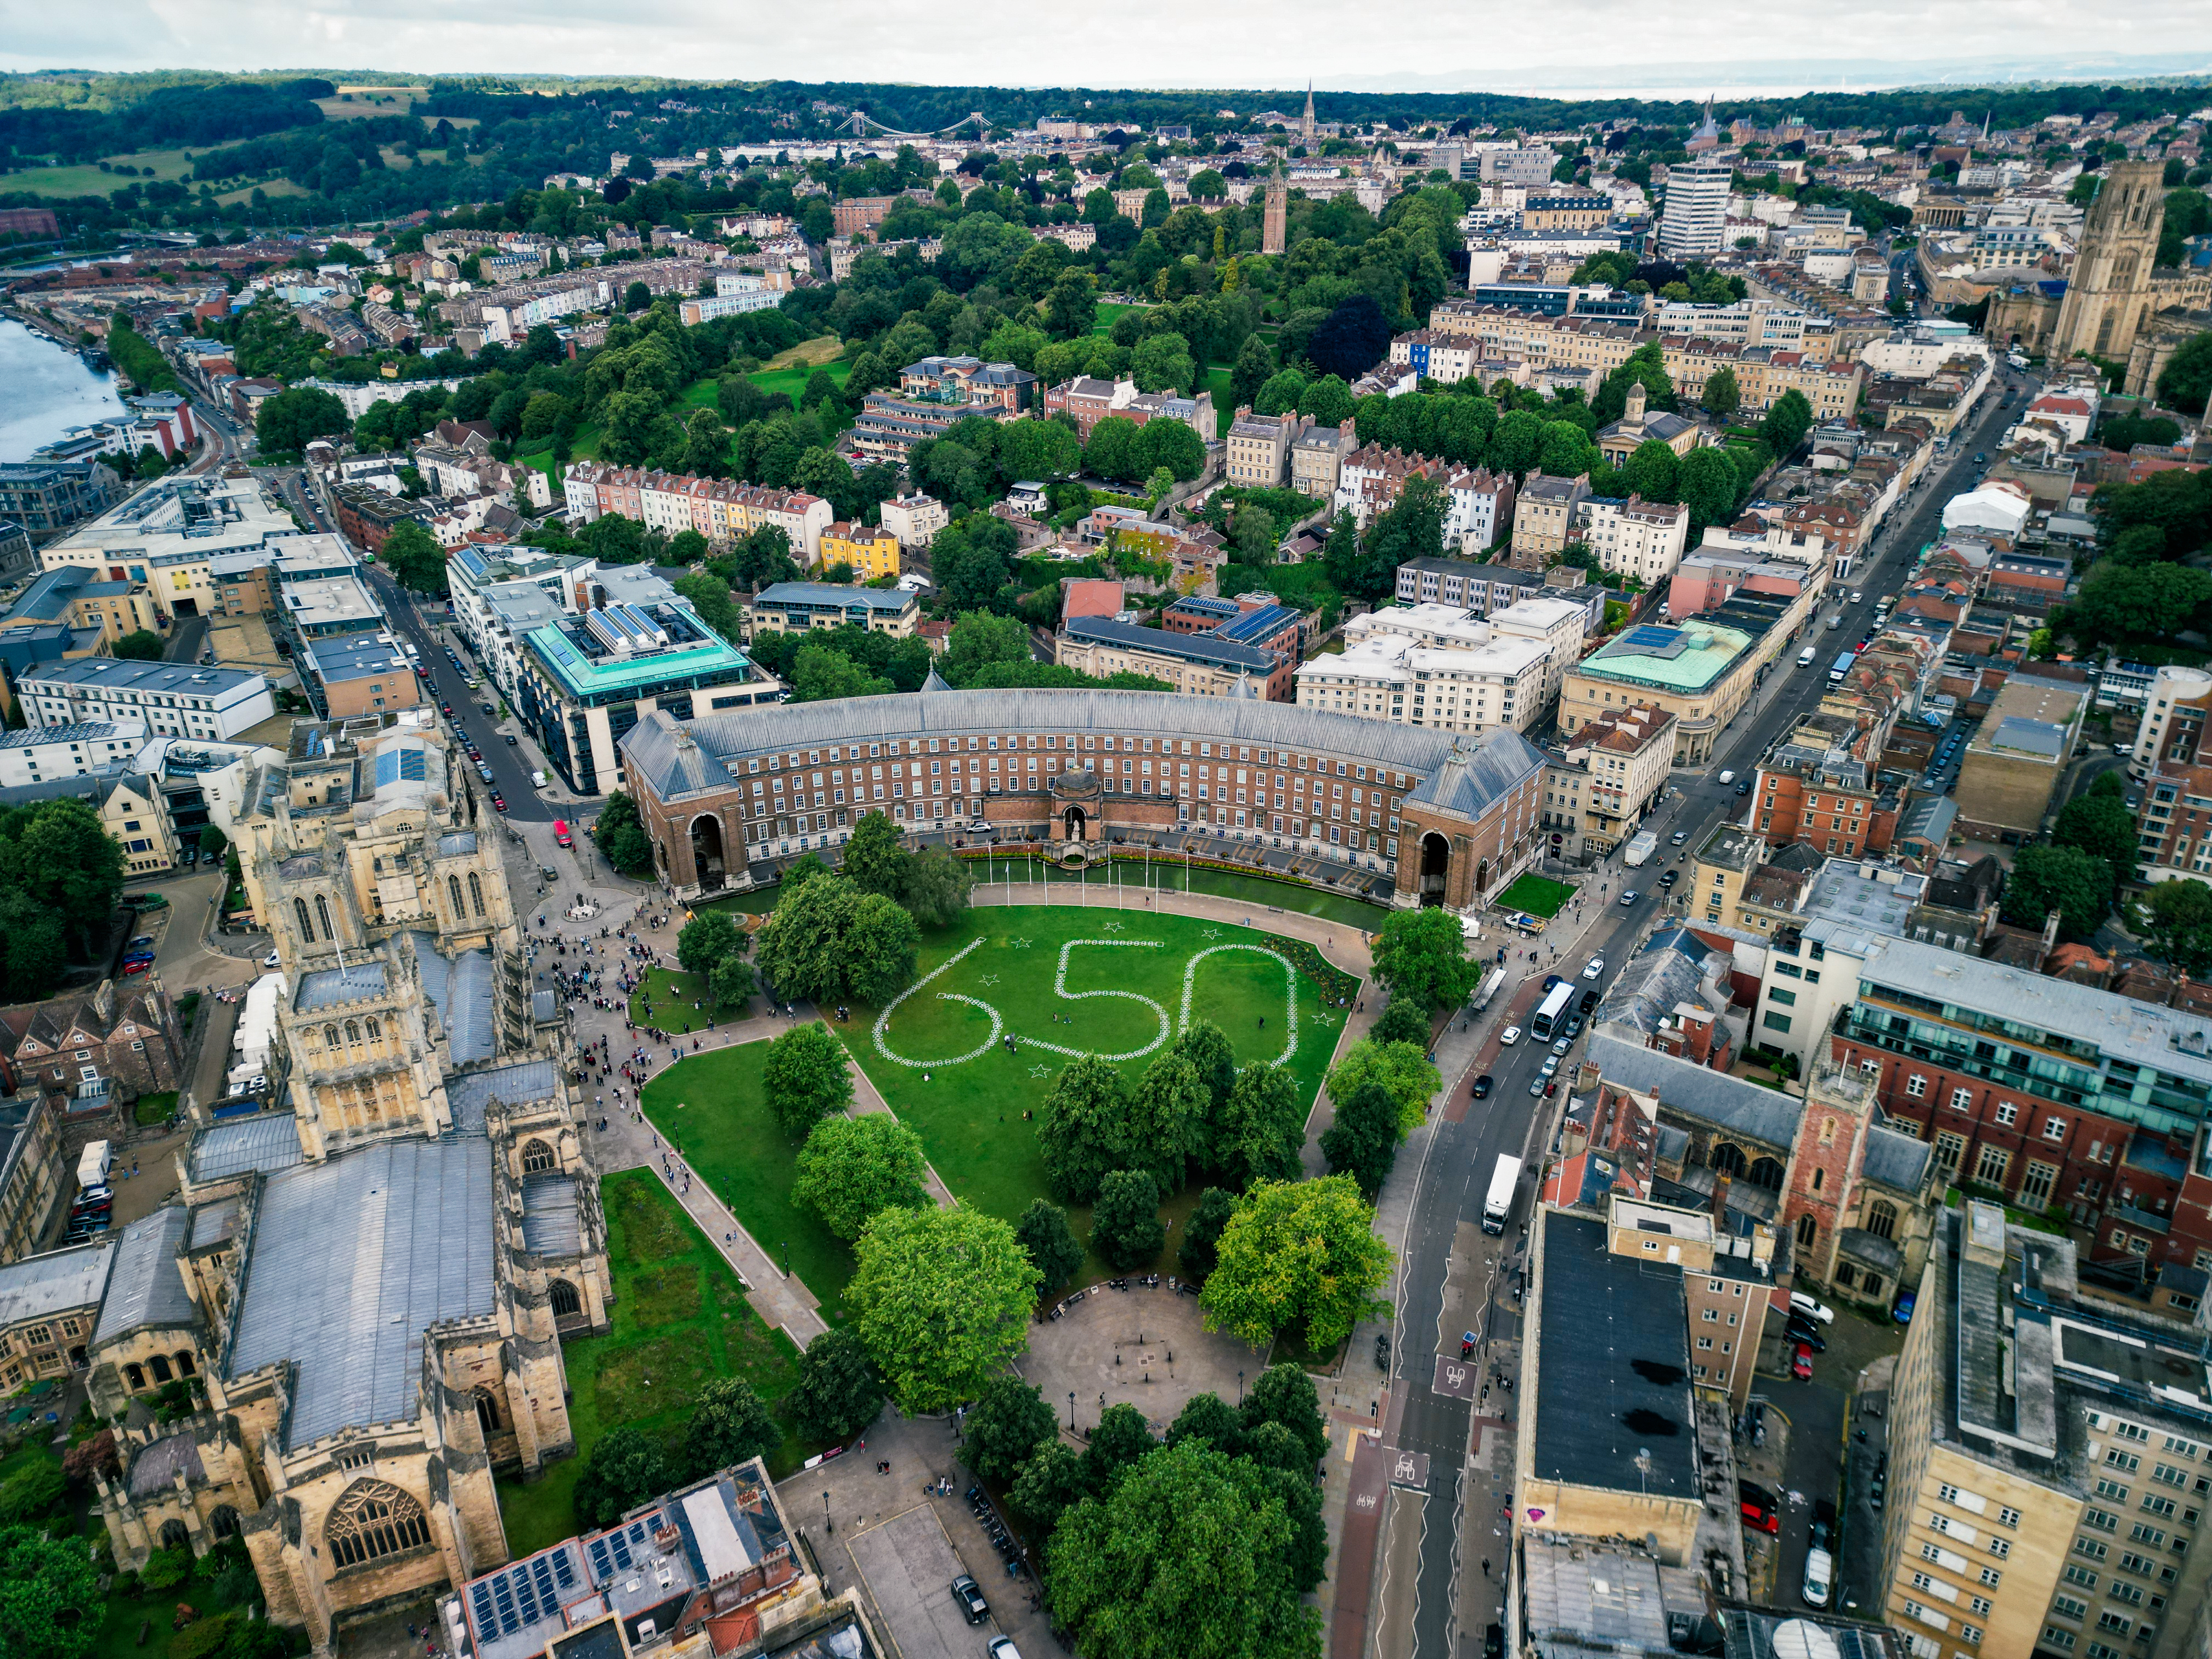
{"type": "Point", "coordinates": [873, 551]}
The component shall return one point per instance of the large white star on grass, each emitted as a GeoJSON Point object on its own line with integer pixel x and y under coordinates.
{"type": "Point", "coordinates": [1019, 944]}
{"type": "Point", "coordinates": [1040, 1071]}
{"type": "Point", "coordinates": [990, 979]}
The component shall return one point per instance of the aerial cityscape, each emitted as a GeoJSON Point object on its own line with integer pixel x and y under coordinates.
{"type": "Point", "coordinates": [1406, 864]}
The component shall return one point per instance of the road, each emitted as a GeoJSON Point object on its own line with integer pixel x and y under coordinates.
{"type": "Point", "coordinates": [1427, 1606]}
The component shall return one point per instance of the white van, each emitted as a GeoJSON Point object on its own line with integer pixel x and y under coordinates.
{"type": "Point", "coordinates": [1728, 777]}
{"type": "Point", "coordinates": [1805, 658]}
{"type": "Point", "coordinates": [537, 780]}
{"type": "Point", "coordinates": [1819, 1573]}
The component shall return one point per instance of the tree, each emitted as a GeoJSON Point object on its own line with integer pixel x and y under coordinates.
{"type": "Point", "coordinates": [942, 1298]}
{"type": "Point", "coordinates": [1084, 1132]}
{"type": "Point", "coordinates": [1106, 452]}
{"type": "Point", "coordinates": [1363, 1141]}
{"type": "Point", "coordinates": [2186, 382]}
{"type": "Point", "coordinates": [58, 857]}
{"type": "Point", "coordinates": [805, 1077]}
{"type": "Point", "coordinates": [1209, 1418]}
{"type": "Point", "coordinates": [416, 561]}
{"type": "Point", "coordinates": [852, 1166]}
{"type": "Point", "coordinates": [875, 859]}
{"type": "Point", "coordinates": [1707, 483]}
{"type": "Point", "coordinates": [705, 940]}
{"type": "Point", "coordinates": [1206, 1046]}
{"type": "Point", "coordinates": [1653, 470]}
{"type": "Point", "coordinates": [731, 981]}
{"type": "Point", "coordinates": [1005, 1428]}
{"type": "Point", "coordinates": [828, 942]}
{"type": "Point", "coordinates": [1167, 1097]}
{"type": "Point", "coordinates": [2100, 824]}
{"type": "Point", "coordinates": [1052, 1481]}
{"type": "Point", "coordinates": [937, 887]}
{"type": "Point", "coordinates": [1297, 1256]}
{"type": "Point", "coordinates": [1263, 1127]}
{"type": "Point", "coordinates": [1255, 365]}
{"type": "Point", "coordinates": [1202, 1234]}
{"type": "Point", "coordinates": [1169, 446]}
{"type": "Point", "coordinates": [1118, 1444]}
{"type": "Point", "coordinates": [729, 1424]}
{"type": "Point", "coordinates": [1279, 393]}
{"type": "Point", "coordinates": [978, 640]}
{"type": "Point", "coordinates": [1285, 1395]}
{"type": "Point", "coordinates": [288, 423]}
{"type": "Point", "coordinates": [838, 1393]}
{"type": "Point", "coordinates": [1403, 1020]}
{"type": "Point", "coordinates": [2061, 878]}
{"type": "Point", "coordinates": [140, 645]}
{"type": "Point", "coordinates": [1787, 424]}
{"type": "Point", "coordinates": [1722, 397]}
{"type": "Point", "coordinates": [1327, 400]}
{"type": "Point", "coordinates": [1186, 1558]}
{"type": "Point", "coordinates": [1161, 362]}
{"type": "Point", "coordinates": [1125, 1226]}
{"type": "Point", "coordinates": [621, 835]}
{"type": "Point", "coordinates": [1401, 1068]}
{"type": "Point", "coordinates": [2122, 603]}
{"type": "Point", "coordinates": [49, 1595]}
{"type": "Point", "coordinates": [2176, 924]}
{"type": "Point", "coordinates": [1044, 1233]}
{"type": "Point", "coordinates": [1421, 955]}
{"type": "Point", "coordinates": [1412, 528]}
{"type": "Point", "coordinates": [710, 597]}
{"type": "Point", "coordinates": [1354, 337]}
{"type": "Point", "coordinates": [625, 1468]}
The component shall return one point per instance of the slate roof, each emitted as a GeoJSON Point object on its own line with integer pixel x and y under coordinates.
{"type": "Point", "coordinates": [268, 1142]}
{"type": "Point", "coordinates": [145, 1287]}
{"type": "Point", "coordinates": [469, 1092]}
{"type": "Point", "coordinates": [326, 987]}
{"type": "Point", "coordinates": [1895, 1159]}
{"type": "Point", "coordinates": [37, 1285]}
{"type": "Point", "coordinates": [1694, 1090]}
{"type": "Point", "coordinates": [158, 1466]}
{"type": "Point", "coordinates": [549, 1226]}
{"type": "Point", "coordinates": [351, 1262]}
{"type": "Point", "coordinates": [704, 754]}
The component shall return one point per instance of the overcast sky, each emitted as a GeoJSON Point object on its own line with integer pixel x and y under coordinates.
{"type": "Point", "coordinates": [1152, 43]}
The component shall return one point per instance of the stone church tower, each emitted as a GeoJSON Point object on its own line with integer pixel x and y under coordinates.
{"type": "Point", "coordinates": [1274, 227]}
{"type": "Point", "coordinates": [2108, 297]}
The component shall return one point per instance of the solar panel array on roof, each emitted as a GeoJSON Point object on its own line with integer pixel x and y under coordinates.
{"type": "Point", "coordinates": [392, 765]}
{"type": "Point", "coordinates": [1653, 641]}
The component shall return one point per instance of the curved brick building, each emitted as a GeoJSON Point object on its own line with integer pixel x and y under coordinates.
{"type": "Point", "coordinates": [1451, 818]}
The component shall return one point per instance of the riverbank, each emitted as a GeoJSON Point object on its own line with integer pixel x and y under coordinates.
{"type": "Point", "coordinates": [50, 390]}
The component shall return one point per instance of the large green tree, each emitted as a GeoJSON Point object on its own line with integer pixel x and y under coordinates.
{"type": "Point", "coordinates": [288, 423]}
{"type": "Point", "coordinates": [416, 561]}
{"type": "Point", "coordinates": [1162, 1106]}
{"type": "Point", "coordinates": [830, 943]}
{"type": "Point", "coordinates": [705, 940]}
{"type": "Point", "coordinates": [621, 835]}
{"type": "Point", "coordinates": [1124, 1225]}
{"type": "Point", "coordinates": [2175, 920]}
{"type": "Point", "coordinates": [1421, 955]}
{"type": "Point", "coordinates": [1004, 1427]}
{"type": "Point", "coordinates": [627, 1467]}
{"type": "Point", "coordinates": [1188, 1557]}
{"type": "Point", "coordinates": [805, 1077]}
{"type": "Point", "coordinates": [2078, 886]}
{"type": "Point", "coordinates": [1362, 1141]}
{"type": "Point", "coordinates": [1044, 1231]}
{"type": "Point", "coordinates": [942, 1298]}
{"type": "Point", "coordinates": [852, 1166]}
{"type": "Point", "coordinates": [50, 1597]}
{"type": "Point", "coordinates": [2098, 822]}
{"type": "Point", "coordinates": [876, 856]}
{"type": "Point", "coordinates": [60, 859]}
{"type": "Point", "coordinates": [1299, 1256]}
{"type": "Point", "coordinates": [1263, 1127]}
{"type": "Point", "coordinates": [1401, 1068]}
{"type": "Point", "coordinates": [729, 1423]}
{"type": "Point", "coordinates": [838, 1393]}
{"type": "Point", "coordinates": [1083, 1135]}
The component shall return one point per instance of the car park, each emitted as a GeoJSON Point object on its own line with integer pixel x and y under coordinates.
{"type": "Point", "coordinates": [1629, 897]}
{"type": "Point", "coordinates": [1800, 1362]}
{"type": "Point", "coordinates": [968, 1596]}
{"type": "Point", "coordinates": [1509, 1036]}
{"type": "Point", "coordinates": [1594, 967]}
{"type": "Point", "coordinates": [1483, 1085]}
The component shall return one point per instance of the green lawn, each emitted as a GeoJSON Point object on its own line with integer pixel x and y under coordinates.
{"type": "Point", "coordinates": [711, 1108]}
{"type": "Point", "coordinates": [1169, 875]}
{"type": "Point", "coordinates": [679, 1318]}
{"type": "Point", "coordinates": [792, 381]}
{"type": "Point", "coordinates": [670, 992]}
{"type": "Point", "coordinates": [155, 1109]}
{"type": "Point", "coordinates": [88, 180]}
{"type": "Point", "coordinates": [1108, 312]}
{"type": "Point", "coordinates": [1539, 895]}
{"type": "Point", "coordinates": [969, 1112]}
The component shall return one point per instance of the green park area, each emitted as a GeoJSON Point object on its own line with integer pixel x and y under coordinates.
{"type": "Point", "coordinates": [1540, 896]}
{"type": "Point", "coordinates": [679, 1319]}
{"type": "Point", "coordinates": [1058, 982]}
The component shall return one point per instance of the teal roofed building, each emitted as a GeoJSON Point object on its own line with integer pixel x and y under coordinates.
{"type": "Point", "coordinates": [587, 678]}
{"type": "Point", "coordinates": [1700, 673]}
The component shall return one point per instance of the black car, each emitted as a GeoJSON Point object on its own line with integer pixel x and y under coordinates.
{"type": "Point", "coordinates": [968, 1596]}
{"type": "Point", "coordinates": [1805, 1331]}
{"type": "Point", "coordinates": [1744, 788]}
{"type": "Point", "coordinates": [1588, 1001]}
{"type": "Point", "coordinates": [1483, 1085]}
{"type": "Point", "coordinates": [1668, 877]}
{"type": "Point", "coordinates": [510, 739]}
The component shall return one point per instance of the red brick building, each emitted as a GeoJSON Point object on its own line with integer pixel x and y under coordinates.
{"type": "Point", "coordinates": [97, 1052]}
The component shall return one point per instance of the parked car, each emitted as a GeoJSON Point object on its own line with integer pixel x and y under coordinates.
{"type": "Point", "coordinates": [1551, 1065]}
{"type": "Point", "coordinates": [1483, 1085]}
{"type": "Point", "coordinates": [1757, 1507]}
{"type": "Point", "coordinates": [1588, 1001]}
{"type": "Point", "coordinates": [1800, 1363]}
{"type": "Point", "coordinates": [1002, 1647]}
{"type": "Point", "coordinates": [1804, 1331]}
{"type": "Point", "coordinates": [1509, 1036]}
{"type": "Point", "coordinates": [1566, 1042]}
{"type": "Point", "coordinates": [511, 740]}
{"type": "Point", "coordinates": [968, 1596]}
{"type": "Point", "coordinates": [1819, 1573]}
{"type": "Point", "coordinates": [1744, 788]}
{"type": "Point", "coordinates": [143, 939]}
{"type": "Point", "coordinates": [1574, 1024]}
{"type": "Point", "coordinates": [1821, 1534]}
{"type": "Point", "coordinates": [130, 968]}
{"type": "Point", "coordinates": [1805, 1304]}
{"type": "Point", "coordinates": [1667, 879]}
{"type": "Point", "coordinates": [1538, 1086]}
{"type": "Point", "coordinates": [1902, 1312]}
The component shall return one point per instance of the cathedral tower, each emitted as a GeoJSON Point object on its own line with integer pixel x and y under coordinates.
{"type": "Point", "coordinates": [2108, 297]}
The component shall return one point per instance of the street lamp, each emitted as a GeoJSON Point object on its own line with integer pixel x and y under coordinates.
{"type": "Point", "coordinates": [1071, 1411]}
{"type": "Point", "coordinates": [1240, 1387]}
{"type": "Point", "coordinates": [787, 1258]}
{"type": "Point", "coordinates": [827, 1523]}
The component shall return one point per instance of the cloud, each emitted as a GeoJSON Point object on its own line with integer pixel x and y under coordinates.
{"type": "Point", "coordinates": [1141, 43]}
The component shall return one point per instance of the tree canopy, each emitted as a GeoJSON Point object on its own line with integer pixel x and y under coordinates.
{"type": "Point", "coordinates": [1297, 1256]}
{"type": "Point", "coordinates": [942, 1298]}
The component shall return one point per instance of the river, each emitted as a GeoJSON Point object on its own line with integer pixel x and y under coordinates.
{"type": "Point", "coordinates": [46, 389]}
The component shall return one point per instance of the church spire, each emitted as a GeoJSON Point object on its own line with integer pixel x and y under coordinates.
{"type": "Point", "coordinates": [1306, 123]}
